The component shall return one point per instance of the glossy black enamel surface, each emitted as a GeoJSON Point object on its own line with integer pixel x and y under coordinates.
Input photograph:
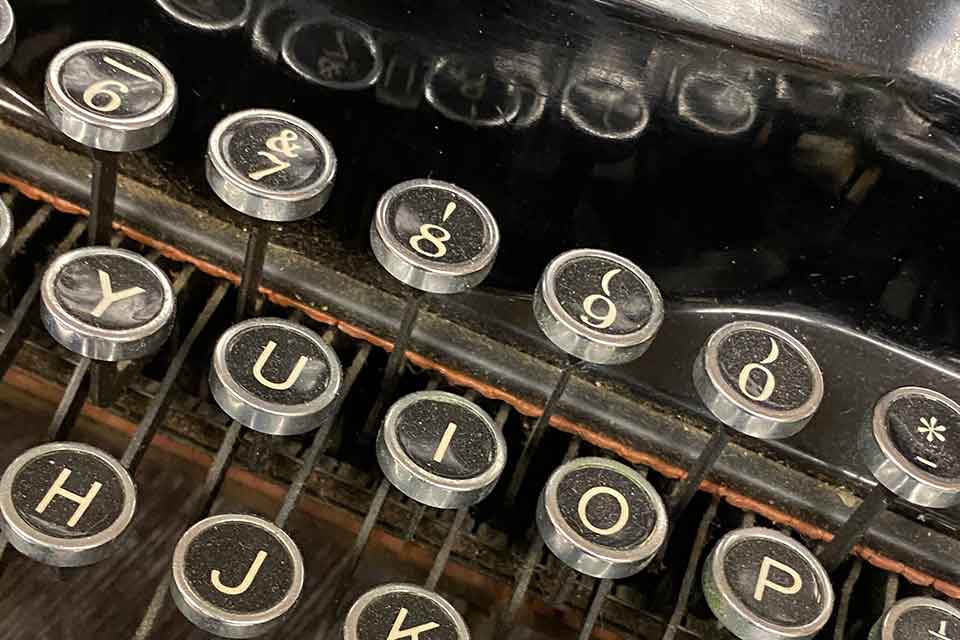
{"type": "Point", "coordinates": [804, 156]}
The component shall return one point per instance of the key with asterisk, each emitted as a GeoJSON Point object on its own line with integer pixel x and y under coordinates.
{"type": "Point", "coordinates": [932, 429]}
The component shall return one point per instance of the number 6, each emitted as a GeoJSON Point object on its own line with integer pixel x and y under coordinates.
{"type": "Point", "coordinates": [102, 89]}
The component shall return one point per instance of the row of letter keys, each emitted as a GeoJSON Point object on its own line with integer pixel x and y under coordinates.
{"type": "Point", "coordinates": [67, 504]}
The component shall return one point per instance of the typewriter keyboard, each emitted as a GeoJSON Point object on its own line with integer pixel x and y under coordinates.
{"type": "Point", "coordinates": [219, 438]}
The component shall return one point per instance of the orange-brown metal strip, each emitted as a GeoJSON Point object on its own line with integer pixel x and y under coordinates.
{"type": "Point", "coordinates": [523, 406]}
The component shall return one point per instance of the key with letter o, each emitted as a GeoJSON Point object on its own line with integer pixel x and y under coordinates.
{"type": "Point", "coordinates": [441, 449]}
{"type": "Point", "coordinates": [107, 304]}
{"type": "Point", "coordinates": [598, 306]}
{"type": "Point", "coordinates": [66, 504]}
{"type": "Point", "coordinates": [434, 236]}
{"type": "Point", "coordinates": [110, 96]}
{"type": "Point", "coordinates": [758, 379]}
{"type": "Point", "coordinates": [236, 576]}
{"type": "Point", "coordinates": [601, 517]}
{"type": "Point", "coordinates": [275, 376]}
{"type": "Point", "coordinates": [403, 612]}
{"type": "Point", "coordinates": [912, 446]}
{"type": "Point", "coordinates": [918, 618]}
{"type": "Point", "coordinates": [762, 584]}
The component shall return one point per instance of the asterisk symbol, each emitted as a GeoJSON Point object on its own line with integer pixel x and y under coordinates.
{"type": "Point", "coordinates": [932, 429]}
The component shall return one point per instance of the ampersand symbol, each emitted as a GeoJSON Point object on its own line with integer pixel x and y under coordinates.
{"type": "Point", "coordinates": [283, 143]}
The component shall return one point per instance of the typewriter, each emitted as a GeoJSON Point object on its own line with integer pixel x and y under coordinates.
{"type": "Point", "coordinates": [437, 320]}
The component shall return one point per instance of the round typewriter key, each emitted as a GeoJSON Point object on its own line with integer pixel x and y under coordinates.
{"type": "Point", "coordinates": [275, 376]}
{"type": "Point", "coordinates": [915, 618]}
{"type": "Point", "coordinates": [110, 96]}
{"type": "Point", "coordinates": [758, 379]}
{"type": "Point", "coordinates": [273, 167]}
{"type": "Point", "coordinates": [236, 576]}
{"type": "Point", "coordinates": [434, 236]}
{"type": "Point", "coordinates": [441, 449]}
{"type": "Point", "coordinates": [912, 446]}
{"type": "Point", "coordinates": [762, 584]}
{"type": "Point", "coordinates": [6, 233]}
{"type": "Point", "coordinates": [107, 304]}
{"type": "Point", "coordinates": [270, 165]}
{"type": "Point", "coordinates": [66, 504]}
{"type": "Point", "coordinates": [334, 52]}
{"type": "Point", "coordinates": [403, 611]}
{"type": "Point", "coordinates": [8, 32]}
{"type": "Point", "coordinates": [601, 517]}
{"type": "Point", "coordinates": [208, 15]}
{"type": "Point", "coordinates": [598, 306]}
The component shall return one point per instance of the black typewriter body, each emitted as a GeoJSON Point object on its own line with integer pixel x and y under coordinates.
{"type": "Point", "coordinates": [793, 162]}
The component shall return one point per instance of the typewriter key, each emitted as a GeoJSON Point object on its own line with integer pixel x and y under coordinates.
{"type": "Point", "coordinates": [6, 233]}
{"type": "Point", "coordinates": [107, 304]}
{"type": "Point", "coordinates": [912, 446]}
{"type": "Point", "coordinates": [236, 576]}
{"type": "Point", "coordinates": [273, 167]}
{"type": "Point", "coordinates": [914, 618]}
{"type": "Point", "coordinates": [757, 379]}
{"type": "Point", "coordinates": [762, 584]}
{"type": "Point", "coordinates": [434, 236]}
{"type": "Point", "coordinates": [111, 97]}
{"type": "Point", "coordinates": [598, 306]}
{"type": "Point", "coordinates": [601, 517]}
{"type": "Point", "coordinates": [394, 611]}
{"type": "Point", "coordinates": [66, 504]}
{"type": "Point", "coordinates": [8, 32]}
{"type": "Point", "coordinates": [441, 449]}
{"type": "Point", "coordinates": [275, 376]}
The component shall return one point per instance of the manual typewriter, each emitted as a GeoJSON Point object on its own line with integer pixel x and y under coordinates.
{"type": "Point", "coordinates": [422, 320]}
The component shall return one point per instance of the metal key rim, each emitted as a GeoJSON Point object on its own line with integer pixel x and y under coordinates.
{"type": "Point", "coordinates": [463, 488]}
{"type": "Point", "coordinates": [223, 175]}
{"type": "Point", "coordinates": [235, 622]}
{"type": "Point", "coordinates": [743, 622]}
{"type": "Point", "coordinates": [638, 337]}
{"type": "Point", "coordinates": [352, 618]}
{"type": "Point", "coordinates": [709, 355]}
{"type": "Point", "coordinates": [888, 623]}
{"type": "Point", "coordinates": [163, 318]}
{"type": "Point", "coordinates": [638, 555]}
{"type": "Point", "coordinates": [879, 438]}
{"type": "Point", "coordinates": [387, 247]}
{"type": "Point", "coordinates": [224, 378]}
{"type": "Point", "coordinates": [19, 530]}
{"type": "Point", "coordinates": [63, 106]}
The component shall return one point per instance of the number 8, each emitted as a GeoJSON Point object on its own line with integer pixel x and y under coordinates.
{"type": "Point", "coordinates": [591, 317]}
{"type": "Point", "coordinates": [101, 89]}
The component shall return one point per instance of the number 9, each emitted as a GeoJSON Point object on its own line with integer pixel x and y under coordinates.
{"type": "Point", "coordinates": [592, 318]}
{"type": "Point", "coordinates": [102, 88]}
